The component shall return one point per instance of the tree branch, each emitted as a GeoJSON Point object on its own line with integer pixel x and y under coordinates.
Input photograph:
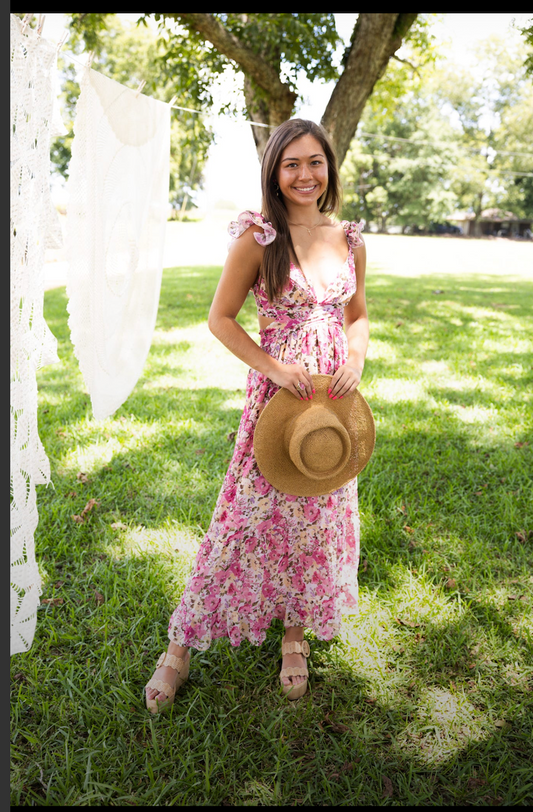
{"type": "Point", "coordinates": [375, 39]}
{"type": "Point", "coordinates": [263, 74]}
{"type": "Point", "coordinates": [406, 62]}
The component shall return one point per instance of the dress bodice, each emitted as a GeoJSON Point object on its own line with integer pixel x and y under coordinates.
{"type": "Point", "coordinates": [298, 303]}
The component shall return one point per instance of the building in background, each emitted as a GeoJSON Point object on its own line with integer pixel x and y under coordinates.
{"type": "Point", "coordinates": [493, 223]}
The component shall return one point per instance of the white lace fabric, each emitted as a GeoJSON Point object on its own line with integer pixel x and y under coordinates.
{"type": "Point", "coordinates": [32, 345]}
{"type": "Point", "coordinates": [116, 218]}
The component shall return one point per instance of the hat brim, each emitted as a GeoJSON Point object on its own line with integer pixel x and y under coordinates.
{"type": "Point", "coordinates": [273, 457]}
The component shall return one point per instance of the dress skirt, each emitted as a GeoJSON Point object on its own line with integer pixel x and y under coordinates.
{"type": "Point", "coordinates": [267, 554]}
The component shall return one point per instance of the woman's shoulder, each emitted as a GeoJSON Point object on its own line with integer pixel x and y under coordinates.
{"type": "Point", "coordinates": [263, 231]}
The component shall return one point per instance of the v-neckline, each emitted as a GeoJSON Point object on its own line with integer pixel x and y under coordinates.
{"type": "Point", "coordinates": [311, 286]}
{"type": "Point", "coordinates": [308, 283]}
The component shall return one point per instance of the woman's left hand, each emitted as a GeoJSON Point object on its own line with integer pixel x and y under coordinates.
{"type": "Point", "coordinates": [345, 380]}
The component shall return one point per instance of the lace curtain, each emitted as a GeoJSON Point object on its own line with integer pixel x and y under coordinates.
{"type": "Point", "coordinates": [32, 345]}
{"type": "Point", "coordinates": [118, 188]}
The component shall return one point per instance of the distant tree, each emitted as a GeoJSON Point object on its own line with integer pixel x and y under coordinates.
{"type": "Point", "coordinates": [493, 108]}
{"type": "Point", "coordinates": [400, 171]}
{"type": "Point", "coordinates": [514, 137]}
{"type": "Point", "coordinates": [467, 136]}
{"type": "Point", "coordinates": [527, 33]}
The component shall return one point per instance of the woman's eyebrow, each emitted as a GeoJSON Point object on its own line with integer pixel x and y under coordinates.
{"type": "Point", "coordinates": [316, 155]}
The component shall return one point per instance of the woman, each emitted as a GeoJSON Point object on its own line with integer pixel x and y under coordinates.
{"type": "Point", "coordinates": [267, 554]}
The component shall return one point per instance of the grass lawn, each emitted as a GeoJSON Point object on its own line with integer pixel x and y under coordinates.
{"type": "Point", "coordinates": [425, 698]}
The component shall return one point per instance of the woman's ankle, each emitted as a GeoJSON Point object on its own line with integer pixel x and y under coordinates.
{"type": "Point", "coordinates": [293, 633]}
{"type": "Point", "coordinates": [177, 651]}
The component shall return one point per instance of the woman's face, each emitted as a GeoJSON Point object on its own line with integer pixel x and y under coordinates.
{"type": "Point", "coordinates": [303, 171]}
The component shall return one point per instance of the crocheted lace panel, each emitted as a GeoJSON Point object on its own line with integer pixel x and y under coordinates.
{"type": "Point", "coordinates": [116, 218]}
{"type": "Point", "coordinates": [32, 345]}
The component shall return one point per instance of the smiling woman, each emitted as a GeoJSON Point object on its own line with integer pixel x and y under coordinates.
{"type": "Point", "coordinates": [270, 554]}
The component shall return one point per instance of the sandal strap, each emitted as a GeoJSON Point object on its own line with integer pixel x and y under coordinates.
{"type": "Point", "coordinates": [296, 647]}
{"type": "Point", "coordinates": [169, 659]}
{"type": "Point", "coordinates": [294, 671]}
{"type": "Point", "coordinates": [161, 687]}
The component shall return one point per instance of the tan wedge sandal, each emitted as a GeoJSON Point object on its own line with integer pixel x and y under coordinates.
{"type": "Point", "coordinates": [178, 664]}
{"type": "Point", "coordinates": [294, 647]}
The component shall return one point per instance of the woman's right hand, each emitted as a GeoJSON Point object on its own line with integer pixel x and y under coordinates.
{"type": "Point", "coordinates": [291, 377]}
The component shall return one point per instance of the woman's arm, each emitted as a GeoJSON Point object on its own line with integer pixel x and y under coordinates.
{"type": "Point", "coordinates": [238, 275]}
{"type": "Point", "coordinates": [348, 376]}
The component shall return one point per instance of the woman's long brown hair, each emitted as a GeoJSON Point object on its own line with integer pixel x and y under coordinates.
{"type": "Point", "coordinates": [275, 267]}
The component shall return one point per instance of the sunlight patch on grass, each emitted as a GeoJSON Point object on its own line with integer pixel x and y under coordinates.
{"type": "Point", "coordinates": [507, 344]}
{"type": "Point", "coordinates": [91, 453]}
{"type": "Point", "coordinates": [160, 382]}
{"type": "Point", "coordinates": [444, 725]}
{"type": "Point", "coordinates": [166, 540]}
{"type": "Point", "coordinates": [398, 390]}
{"type": "Point", "coordinates": [198, 361]}
{"type": "Point", "coordinates": [234, 403]}
{"type": "Point", "coordinates": [381, 349]}
{"type": "Point", "coordinates": [474, 414]}
{"type": "Point", "coordinates": [435, 370]}
{"type": "Point", "coordinates": [419, 599]}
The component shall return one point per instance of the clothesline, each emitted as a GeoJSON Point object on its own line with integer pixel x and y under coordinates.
{"type": "Point", "coordinates": [375, 135]}
{"type": "Point", "coordinates": [176, 106]}
{"type": "Point", "coordinates": [490, 171]}
{"type": "Point", "coordinates": [432, 143]}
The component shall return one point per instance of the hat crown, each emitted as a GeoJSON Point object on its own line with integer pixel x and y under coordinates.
{"type": "Point", "coordinates": [299, 457]}
{"type": "Point", "coordinates": [318, 444]}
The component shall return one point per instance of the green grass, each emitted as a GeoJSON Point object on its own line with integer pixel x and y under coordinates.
{"type": "Point", "coordinates": [425, 698]}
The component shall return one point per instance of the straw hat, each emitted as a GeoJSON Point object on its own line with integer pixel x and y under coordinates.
{"type": "Point", "coordinates": [312, 447]}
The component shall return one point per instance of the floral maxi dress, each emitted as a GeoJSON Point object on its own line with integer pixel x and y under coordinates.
{"type": "Point", "coordinates": [267, 554]}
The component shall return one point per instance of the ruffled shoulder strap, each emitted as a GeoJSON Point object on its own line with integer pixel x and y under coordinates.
{"type": "Point", "coordinates": [353, 232]}
{"type": "Point", "coordinates": [250, 218]}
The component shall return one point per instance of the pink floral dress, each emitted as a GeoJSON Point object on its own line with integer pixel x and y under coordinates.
{"type": "Point", "coordinates": [267, 554]}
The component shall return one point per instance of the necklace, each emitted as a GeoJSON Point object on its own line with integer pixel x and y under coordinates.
{"type": "Point", "coordinates": [309, 230]}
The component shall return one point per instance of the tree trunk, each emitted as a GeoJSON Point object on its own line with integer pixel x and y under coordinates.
{"type": "Point", "coordinates": [265, 111]}
{"type": "Point", "coordinates": [477, 212]}
{"type": "Point", "coordinates": [375, 39]}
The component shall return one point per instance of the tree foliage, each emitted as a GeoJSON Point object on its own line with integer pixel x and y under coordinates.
{"type": "Point", "coordinates": [394, 174]}
{"type": "Point", "coordinates": [527, 33]}
{"type": "Point", "coordinates": [467, 144]}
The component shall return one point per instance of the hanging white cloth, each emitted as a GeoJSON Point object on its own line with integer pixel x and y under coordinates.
{"type": "Point", "coordinates": [32, 345]}
{"type": "Point", "coordinates": [116, 217]}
